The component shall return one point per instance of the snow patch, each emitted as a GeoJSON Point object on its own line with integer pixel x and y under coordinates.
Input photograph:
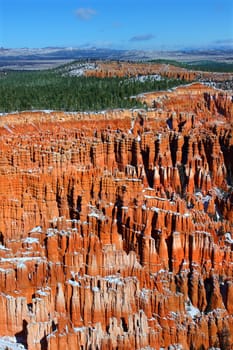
{"type": "Point", "coordinates": [228, 238]}
{"type": "Point", "coordinates": [10, 343]}
{"type": "Point", "coordinates": [144, 78]}
{"type": "Point", "coordinates": [113, 279]}
{"type": "Point", "coordinates": [217, 214]}
{"type": "Point", "coordinates": [80, 329]}
{"type": "Point", "coordinates": [154, 209]}
{"type": "Point", "coordinates": [21, 265]}
{"type": "Point", "coordinates": [175, 347]}
{"type": "Point", "coordinates": [191, 310]}
{"type": "Point", "coordinates": [2, 247]}
{"type": "Point", "coordinates": [206, 199]}
{"type": "Point", "coordinates": [74, 283]}
{"type": "Point", "coordinates": [21, 261]}
{"type": "Point", "coordinates": [36, 229]}
{"type": "Point", "coordinates": [31, 240]}
{"type": "Point", "coordinates": [144, 293]}
{"type": "Point", "coordinates": [42, 292]}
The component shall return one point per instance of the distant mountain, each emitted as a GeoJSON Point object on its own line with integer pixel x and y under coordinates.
{"type": "Point", "coordinates": [58, 53]}
{"type": "Point", "coordinates": [39, 58]}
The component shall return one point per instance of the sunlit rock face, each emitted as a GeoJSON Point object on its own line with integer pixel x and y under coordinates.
{"type": "Point", "coordinates": [116, 227]}
{"type": "Point", "coordinates": [129, 69]}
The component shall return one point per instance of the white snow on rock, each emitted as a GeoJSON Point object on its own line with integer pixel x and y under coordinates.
{"type": "Point", "coordinates": [228, 238]}
{"type": "Point", "coordinates": [31, 240]}
{"type": "Point", "coordinates": [10, 343]}
{"type": "Point", "coordinates": [36, 229]}
{"type": "Point", "coordinates": [42, 293]}
{"type": "Point", "coordinates": [74, 283]}
{"type": "Point", "coordinates": [191, 310]}
{"type": "Point", "coordinates": [113, 279]}
{"type": "Point", "coordinates": [80, 329]}
{"type": "Point", "coordinates": [175, 347]}
{"type": "Point", "coordinates": [2, 247]}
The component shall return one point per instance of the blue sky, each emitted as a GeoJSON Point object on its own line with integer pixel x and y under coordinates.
{"type": "Point", "coordinates": [122, 24]}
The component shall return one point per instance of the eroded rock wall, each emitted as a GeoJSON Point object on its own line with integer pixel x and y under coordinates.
{"type": "Point", "coordinates": [130, 69]}
{"type": "Point", "coordinates": [116, 228]}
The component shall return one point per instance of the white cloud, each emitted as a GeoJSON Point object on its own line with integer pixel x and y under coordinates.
{"type": "Point", "coordinates": [142, 37]}
{"type": "Point", "coordinates": [97, 44]}
{"type": "Point", "coordinates": [224, 42]}
{"type": "Point", "coordinates": [85, 13]}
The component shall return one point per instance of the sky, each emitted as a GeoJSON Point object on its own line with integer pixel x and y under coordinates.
{"type": "Point", "coordinates": [116, 24]}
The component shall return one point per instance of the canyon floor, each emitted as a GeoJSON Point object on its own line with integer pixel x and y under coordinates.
{"type": "Point", "coordinates": [116, 227]}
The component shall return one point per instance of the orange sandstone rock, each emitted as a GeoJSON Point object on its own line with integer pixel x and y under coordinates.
{"type": "Point", "coordinates": [116, 227]}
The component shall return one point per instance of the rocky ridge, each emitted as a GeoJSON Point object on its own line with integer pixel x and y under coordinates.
{"type": "Point", "coordinates": [116, 227]}
{"type": "Point", "coordinates": [123, 69]}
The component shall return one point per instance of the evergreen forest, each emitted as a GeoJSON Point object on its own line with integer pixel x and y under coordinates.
{"type": "Point", "coordinates": [51, 90]}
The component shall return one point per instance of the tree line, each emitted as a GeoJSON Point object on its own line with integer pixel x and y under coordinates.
{"type": "Point", "coordinates": [32, 90]}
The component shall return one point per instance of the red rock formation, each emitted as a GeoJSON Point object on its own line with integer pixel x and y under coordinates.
{"type": "Point", "coordinates": [116, 228]}
{"type": "Point", "coordinates": [125, 69]}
